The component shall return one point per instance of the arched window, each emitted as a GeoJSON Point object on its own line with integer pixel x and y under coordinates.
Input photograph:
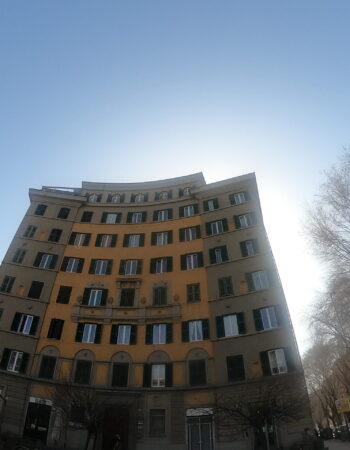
{"type": "Point", "coordinates": [120, 371]}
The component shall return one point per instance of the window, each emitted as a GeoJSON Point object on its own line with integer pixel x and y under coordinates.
{"type": "Point", "coordinates": [136, 217]}
{"type": "Point", "coordinates": [94, 198]}
{"type": "Point", "coordinates": [191, 261]}
{"type": "Point", "coordinates": [159, 295]}
{"type": "Point", "coordinates": [211, 205]}
{"type": "Point", "coordinates": [218, 254]}
{"type": "Point", "coordinates": [40, 210]}
{"type": "Point", "coordinates": [101, 266]}
{"type": "Point", "coordinates": [35, 289]}
{"type": "Point", "coordinates": [189, 210]}
{"type": "Point", "coordinates": [197, 372]}
{"type": "Point", "coordinates": [47, 367]}
{"type": "Point", "coordinates": [235, 368]}
{"type": "Point", "coordinates": [277, 361]}
{"type": "Point", "coordinates": [189, 234]}
{"type": "Point", "coordinates": [55, 329]}
{"type": "Point", "coordinates": [55, 235]}
{"type": "Point", "coordinates": [72, 265]}
{"type": "Point", "coordinates": [64, 294]}
{"type": "Point", "coordinates": [64, 213]}
{"type": "Point", "coordinates": [159, 333]}
{"type": "Point", "coordinates": [266, 318]}
{"type": "Point", "coordinates": [18, 256]}
{"type": "Point", "coordinates": [162, 238]}
{"type": "Point", "coordinates": [86, 216]}
{"type": "Point", "coordinates": [193, 293]}
{"type": "Point", "coordinates": [157, 422]}
{"type": "Point", "coordinates": [79, 239]}
{"type": "Point", "coordinates": [257, 280]}
{"type": "Point", "coordinates": [14, 361]}
{"type": "Point", "coordinates": [106, 240]}
{"type": "Point", "coordinates": [115, 198]}
{"type": "Point", "coordinates": [249, 248]}
{"type": "Point", "coordinates": [94, 297]}
{"type": "Point", "coordinates": [24, 323]}
{"type": "Point", "coordinates": [239, 197]}
{"type": "Point", "coordinates": [30, 231]}
{"type": "Point", "coordinates": [230, 325]}
{"type": "Point", "coordinates": [184, 192]}
{"type": "Point", "coordinates": [130, 266]}
{"type": "Point", "coordinates": [225, 286]}
{"type": "Point", "coordinates": [245, 220]}
{"type": "Point", "coordinates": [161, 265]}
{"type": "Point", "coordinates": [123, 334]}
{"type": "Point", "coordinates": [82, 372]}
{"type": "Point", "coordinates": [164, 195]}
{"type": "Point", "coordinates": [7, 284]}
{"type": "Point", "coordinates": [127, 297]}
{"type": "Point", "coordinates": [45, 261]}
{"type": "Point", "coordinates": [139, 198]}
{"type": "Point", "coordinates": [195, 330]}
{"type": "Point", "coordinates": [217, 227]}
{"type": "Point", "coordinates": [134, 240]}
{"type": "Point", "coordinates": [157, 375]}
{"type": "Point", "coordinates": [110, 218]}
{"type": "Point", "coordinates": [200, 430]}
{"type": "Point", "coordinates": [89, 333]}
{"type": "Point", "coordinates": [162, 215]}
{"type": "Point", "coordinates": [120, 374]}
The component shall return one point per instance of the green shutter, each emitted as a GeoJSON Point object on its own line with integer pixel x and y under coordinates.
{"type": "Point", "coordinates": [183, 262]}
{"type": "Point", "coordinates": [98, 334]}
{"type": "Point", "coordinates": [265, 363]}
{"type": "Point", "coordinates": [86, 296]}
{"type": "Point", "coordinates": [37, 259]}
{"type": "Point", "coordinates": [34, 326]}
{"type": "Point", "coordinates": [205, 327]}
{"type": "Point", "coordinates": [170, 214]}
{"type": "Point", "coordinates": [224, 224]}
{"type": "Point", "coordinates": [79, 333]}
{"type": "Point", "coordinates": [195, 208]}
{"type": "Point", "coordinates": [208, 228]}
{"type": "Point", "coordinates": [15, 321]}
{"type": "Point", "coordinates": [212, 258]}
{"type": "Point", "coordinates": [104, 297]}
{"type": "Point", "coordinates": [243, 246]}
{"type": "Point", "coordinates": [181, 211]}
{"type": "Point", "coordinates": [104, 217]}
{"type": "Point", "coordinates": [5, 358]}
{"type": "Point", "coordinates": [144, 216]}
{"type": "Point", "coordinates": [149, 334]}
{"type": "Point", "coordinates": [169, 264]}
{"type": "Point", "coordinates": [133, 334]}
{"type": "Point", "coordinates": [258, 320]}
{"type": "Point", "coordinates": [114, 240]}
{"type": "Point", "coordinates": [185, 332]}
{"type": "Point", "coordinates": [72, 238]}
{"type": "Point", "coordinates": [168, 374]}
{"type": "Point", "coordinates": [92, 266]}
{"type": "Point", "coordinates": [122, 267]}
{"type": "Point", "coordinates": [24, 362]}
{"type": "Point", "coordinates": [87, 239]}
{"type": "Point", "coordinates": [80, 265]}
{"type": "Point", "coordinates": [200, 259]}
{"type": "Point", "coordinates": [241, 323]}
{"type": "Point", "coordinates": [114, 334]}
{"type": "Point", "coordinates": [220, 329]}
{"type": "Point", "coordinates": [109, 266]}
{"type": "Point", "coordinates": [181, 234]}
{"type": "Point", "coordinates": [169, 333]}
{"type": "Point", "coordinates": [147, 368]}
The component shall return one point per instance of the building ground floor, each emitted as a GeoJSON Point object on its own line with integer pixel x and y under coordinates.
{"type": "Point", "coordinates": [203, 418]}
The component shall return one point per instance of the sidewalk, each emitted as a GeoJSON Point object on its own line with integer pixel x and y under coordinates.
{"type": "Point", "coordinates": [335, 444]}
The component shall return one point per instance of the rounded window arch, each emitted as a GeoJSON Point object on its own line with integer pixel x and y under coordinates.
{"type": "Point", "coordinates": [158, 371]}
{"type": "Point", "coordinates": [48, 363]}
{"type": "Point", "coordinates": [120, 372]}
{"type": "Point", "coordinates": [82, 371]}
{"type": "Point", "coordinates": [198, 370]}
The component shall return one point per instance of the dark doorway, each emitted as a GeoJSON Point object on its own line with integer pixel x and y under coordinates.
{"type": "Point", "coordinates": [116, 422]}
{"type": "Point", "coordinates": [37, 421]}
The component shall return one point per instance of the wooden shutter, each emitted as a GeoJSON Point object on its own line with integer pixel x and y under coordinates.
{"type": "Point", "coordinates": [246, 195]}
{"type": "Point", "coordinates": [98, 334]}
{"type": "Point", "coordinates": [280, 314]}
{"type": "Point", "coordinates": [98, 240]}
{"type": "Point", "coordinates": [114, 240]}
{"type": "Point", "coordinates": [92, 266]}
{"type": "Point", "coordinates": [200, 259]}
{"type": "Point", "coordinates": [64, 263]}
{"type": "Point", "coordinates": [139, 266]}
{"type": "Point", "coordinates": [170, 236]}
{"type": "Point", "coordinates": [63, 295]}
{"type": "Point", "coordinates": [126, 240]}
{"type": "Point", "coordinates": [5, 358]}
{"type": "Point", "coordinates": [122, 267]}
{"type": "Point", "coordinates": [72, 238]}
{"type": "Point", "coordinates": [205, 205]}
{"type": "Point", "coordinates": [288, 354]}
{"type": "Point", "coordinates": [205, 328]}
{"type": "Point", "coordinates": [198, 231]}
{"type": "Point", "coordinates": [15, 321]}
{"type": "Point", "coordinates": [181, 234]}
{"type": "Point", "coordinates": [133, 334]}
{"type": "Point", "coordinates": [220, 329]}
{"type": "Point", "coordinates": [170, 214]}
{"type": "Point", "coordinates": [224, 253]}
{"type": "Point", "coordinates": [168, 375]}
{"type": "Point", "coordinates": [38, 259]}
{"type": "Point", "coordinates": [183, 262]}
{"type": "Point", "coordinates": [79, 333]}
{"type": "Point", "coordinates": [258, 320]}
{"type": "Point", "coordinates": [181, 211]}
{"type": "Point", "coordinates": [224, 224]}
{"type": "Point", "coordinates": [144, 216]}
{"type": "Point", "coordinates": [104, 217]}
{"type": "Point", "coordinates": [129, 217]}
{"type": "Point", "coordinates": [265, 363]}
{"type": "Point", "coordinates": [235, 368]}
{"type": "Point", "coordinates": [87, 239]}
{"type": "Point", "coordinates": [216, 203]}
{"type": "Point", "coordinates": [147, 368]}
{"type": "Point", "coordinates": [104, 297]}
{"type": "Point", "coordinates": [80, 265]}
{"type": "Point", "coordinates": [195, 208]}
{"type": "Point", "coordinates": [250, 282]}
{"type": "Point", "coordinates": [114, 334]}
{"type": "Point", "coordinates": [243, 246]}
{"type": "Point", "coordinates": [237, 222]}
{"type": "Point", "coordinates": [155, 216]}
{"type": "Point", "coordinates": [53, 261]}
{"type": "Point", "coordinates": [212, 256]}
{"type": "Point", "coordinates": [169, 333]}
{"type": "Point", "coordinates": [208, 228]}
{"type": "Point", "coordinates": [86, 296]}
{"type": "Point", "coordinates": [34, 326]}
{"type": "Point", "coordinates": [185, 331]}
{"type": "Point", "coordinates": [149, 334]}
{"type": "Point", "coordinates": [109, 266]}
{"type": "Point", "coordinates": [24, 362]}
{"type": "Point", "coordinates": [142, 240]}
{"type": "Point", "coordinates": [241, 323]}
{"type": "Point", "coordinates": [256, 246]}
{"type": "Point", "coordinates": [153, 238]}
{"type": "Point", "coordinates": [169, 264]}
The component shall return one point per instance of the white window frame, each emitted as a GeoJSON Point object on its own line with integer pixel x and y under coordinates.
{"type": "Point", "coordinates": [239, 198]}
{"type": "Point", "coordinates": [89, 333]}
{"type": "Point", "coordinates": [162, 215]}
{"type": "Point", "coordinates": [162, 238]}
{"type": "Point", "coordinates": [30, 231]}
{"type": "Point", "coordinates": [25, 324]}
{"type": "Point", "coordinates": [218, 255]}
{"type": "Point", "coordinates": [95, 297]}
{"type": "Point", "coordinates": [139, 198]}
{"type": "Point", "coordinates": [159, 333]}
{"type": "Point", "coordinates": [130, 267]}
{"type": "Point", "coordinates": [111, 218]}
{"type": "Point", "coordinates": [15, 361]}
{"type": "Point", "coordinates": [231, 325]}
{"type": "Point", "coordinates": [217, 227]}
{"type": "Point", "coordinates": [164, 195]}
{"type": "Point", "coordinates": [93, 198]}
{"type": "Point", "coordinates": [106, 240]}
{"type": "Point", "coordinates": [245, 220]}
{"type": "Point", "coordinates": [188, 210]}
{"type": "Point", "coordinates": [211, 205]}
{"type": "Point", "coordinates": [79, 239]}
{"type": "Point", "coordinates": [260, 280]}
{"type": "Point", "coordinates": [250, 249]}
{"type": "Point", "coordinates": [190, 234]}
{"type": "Point", "coordinates": [277, 361]}
{"type": "Point", "coordinates": [195, 330]}
{"type": "Point", "coordinates": [161, 265]}
{"type": "Point", "coordinates": [101, 266]}
{"type": "Point", "coordinates": [268, 317]}
{"type": "Point", "coordinates": [136, 217]}
{"type": "Point", "coordinates": [134, 240]}
{"type": "Point", "coordinates": [158, 375]}
{"type": "Point", "coordinates": [45, 261]}
{"type": "Point", "coordinates": [72, 266]}
{"type": "Point", "coordinates": [186, 191]}
{"type": "Point", "coordinates": [124, 332]}
{"type": "Point", "coordinates": [192, 261]}
{"type": "Point", "coordinates": [116, 198]}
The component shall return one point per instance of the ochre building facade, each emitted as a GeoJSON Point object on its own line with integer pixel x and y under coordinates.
{"type": "Point", "coordinates": [158, 297]}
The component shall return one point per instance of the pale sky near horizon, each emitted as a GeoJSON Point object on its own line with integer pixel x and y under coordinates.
{"type": "Point", "coordinates": [123, 91]}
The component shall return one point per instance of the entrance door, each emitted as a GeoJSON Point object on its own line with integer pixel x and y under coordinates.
{"type": "Point", "coordinates": [37, 421]}
{"type": "Point", "coordinates": [116, 421]}
{"type": "Point", "coordinates": [200, 433]}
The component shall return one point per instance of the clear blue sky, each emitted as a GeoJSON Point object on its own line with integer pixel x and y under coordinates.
{"type": "Point", "coordinates": [142, 90]}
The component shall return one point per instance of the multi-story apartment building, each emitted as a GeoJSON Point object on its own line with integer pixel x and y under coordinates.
{"type": "Point", "coordinates": [158, 297]}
